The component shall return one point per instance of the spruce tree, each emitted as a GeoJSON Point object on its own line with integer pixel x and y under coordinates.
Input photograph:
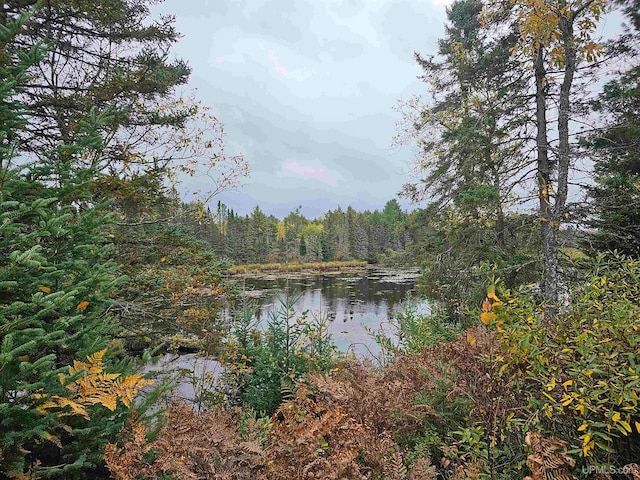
{"type": "Point", "coordinates": [55, 283]}
{"type": "Point", "coordinates": [101, 53]}
{"type": "Point", "coordinates": [616, 150]}
{"type": "Point", "coordinates": [303, 246]}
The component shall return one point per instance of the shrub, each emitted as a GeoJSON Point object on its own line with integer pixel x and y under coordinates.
{"type": "Point", "coordinates": [408, 331]}
{"type": "Point", "coordinates": [261, 364]}
{"type": "Point", "coordinates": [189, 445]}
{"type": "Point", "coordinates": [581, 371]}
{"type": "Point", "coordinates": [173, 287]}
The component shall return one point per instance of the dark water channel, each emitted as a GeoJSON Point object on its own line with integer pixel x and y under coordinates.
{"type": "Point", "coordinates": [353, 303]}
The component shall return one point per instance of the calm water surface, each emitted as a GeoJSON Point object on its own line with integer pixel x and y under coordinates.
{"type": "Point", "coordinates": [354, 303]}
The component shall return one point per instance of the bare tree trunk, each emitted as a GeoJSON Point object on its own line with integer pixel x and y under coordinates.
{"type": "Point", "coordinates": [564, 149]}
{"type": "Point", "coordinates": [500, 223]}
{"type": "Point", "coordinates": [549, 233]}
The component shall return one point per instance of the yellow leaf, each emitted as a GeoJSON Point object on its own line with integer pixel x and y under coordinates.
{"type": "Point", "coordinates": [44, 289]}
{"type": "Point", "coordinates": [625, 425]}
{"type": "Point", "coordinates": [568, 383]}
{"type": "Point", "coordinates": [98, 387]}
{"type": "Point", "coordinates": [471, 339]}
{"type": "Point", "coordinates": [587, 447]}
{"type": "Point", "coordinates": [52, 439]}
{"type": "Point", "coordinates": [43, 409]}
{"type": "Point", "coordinates": [109, 401]}
{"type": "Point", "coordinates": [487, 317]}
{"type": "Point", "coordinates": [163, 259]}
{"type": "Point", "coordinates": [548, 411]}
{"type": "Point", "coordinates": [616, 417]}
{"type": "Point", "coordinates": [96, 358]}
{"type": "Point", "coordinates": [582, 427]}
{"type": "Point", "coordinates": [77, 408]}
{"type": "Point", "coordinates": [492, 296]}
{"type": "Point", "coordinates": [82, 305]}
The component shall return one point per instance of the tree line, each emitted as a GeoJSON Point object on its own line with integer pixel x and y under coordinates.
{"type": "Point", "coordinates": [337, 235]}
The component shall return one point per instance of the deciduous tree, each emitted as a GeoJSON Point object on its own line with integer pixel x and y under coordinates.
{"type": "Point", "coordinates": [556, 38]}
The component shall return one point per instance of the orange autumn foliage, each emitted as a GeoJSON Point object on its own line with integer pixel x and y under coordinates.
{"type": "Point", "coordinates": [94, 387]}
{"type": "Point", "coordinates": [191, 446]}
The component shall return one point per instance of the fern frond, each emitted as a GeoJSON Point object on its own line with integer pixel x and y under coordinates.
{"type": "Point", "coordinates": [395, 468]}
{"type": "Point", "coordinates": [549, 459]}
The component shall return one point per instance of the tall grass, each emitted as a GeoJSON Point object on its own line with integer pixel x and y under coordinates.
{"type": "Point", "coordinates": [294, 267]}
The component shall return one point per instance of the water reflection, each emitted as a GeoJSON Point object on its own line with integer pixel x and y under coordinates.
{"type": "Point", "coordinates": [352, 302]}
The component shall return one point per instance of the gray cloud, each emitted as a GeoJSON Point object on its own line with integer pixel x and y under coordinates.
{"type": "Point", "coordinates": [306, 91]}
{"type": "Point", "coordinates": [421, 28]}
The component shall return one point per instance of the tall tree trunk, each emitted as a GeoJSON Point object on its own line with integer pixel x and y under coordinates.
{"type": "Point", "coordinates": [500, 223]}
{"type": "Point", "coordinates": [564, 150]}
{"type": "Point", "coordinates": [549, 233]}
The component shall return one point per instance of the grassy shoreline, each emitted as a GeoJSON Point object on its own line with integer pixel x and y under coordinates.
{"type": "Point", "coordinates": [312, 267]}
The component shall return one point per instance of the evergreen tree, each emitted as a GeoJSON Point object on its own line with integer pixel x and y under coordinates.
{"type": "Point", "coordinates": [55, 284]}
{"type": "Point", "coordinates": [303, 246]}
{"type": "Point", "coordinates": [104, 54]}
{"type": "Point", "coordinates": [392, 216]}
{"type": "Point", "coordinates": [470, 134]}
{"type": "Point", "coordinates": [111, 55]}
{"type": "Point", "coordinates": [259, 235]}
{"type": "Point", "coordinates": [616, 195]}
{"type": "Point", "coordinates": [324, 248]}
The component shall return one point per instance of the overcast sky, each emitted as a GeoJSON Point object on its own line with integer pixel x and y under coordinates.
{"type": "Point", "coordinates": [306, 90]}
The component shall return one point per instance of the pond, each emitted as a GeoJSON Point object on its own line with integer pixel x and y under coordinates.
{"type": "Point", "coordinates": [354, 303]}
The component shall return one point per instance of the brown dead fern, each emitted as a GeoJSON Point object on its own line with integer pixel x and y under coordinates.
{"type": "Point", "coordinates": [395, 468]}
{"type": "Point", "coordinates": [632, 471]}
{"type": "Point", "coordinates": [190, 446]}
{"type": "Point", "coordinates": [314, 438]}
{"type": "Point", "coordinates": [326, 433]}
{"type": "Point", "coordinates": [549, 459]}
{"type": "Point", "coordinates": [422, 470]}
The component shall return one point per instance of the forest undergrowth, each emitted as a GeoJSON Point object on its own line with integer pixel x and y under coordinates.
{"type": "Point", "coordinates": [509, 397]}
